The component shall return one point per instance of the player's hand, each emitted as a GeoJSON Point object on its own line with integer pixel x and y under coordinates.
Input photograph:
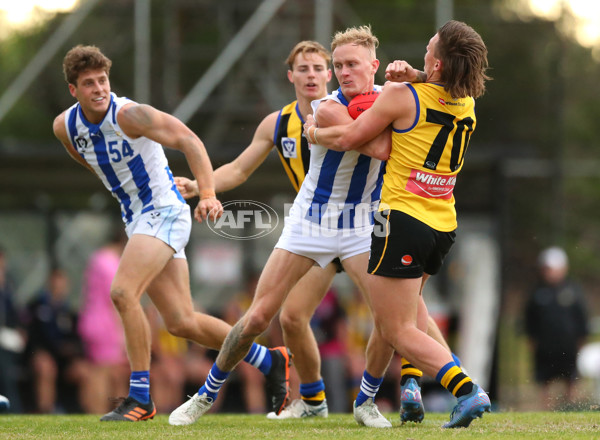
{"type": "Point", "coordinates": [400, 71]}
{"type": "Point", "coordinates": [209, 207]}
{"type": "Point", "coordinates": [310, 122]}
{"type": "Point", "coordinates": [188, 188]}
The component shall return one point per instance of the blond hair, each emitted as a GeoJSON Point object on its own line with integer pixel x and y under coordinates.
{"type": "Point", "coordinates": [361, 36]}
{"type": "Point", "coordinates": [305, 47]}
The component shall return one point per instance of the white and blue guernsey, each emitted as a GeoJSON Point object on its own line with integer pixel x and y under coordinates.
{"type": "Point", "coordinates": [341, 189]}
{"type": "Point", "coordinates": [135, 171]}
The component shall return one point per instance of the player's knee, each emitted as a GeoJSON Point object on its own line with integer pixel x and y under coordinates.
{"type": "Point", "coordinates": [256, 322]}
{"type": "Point", "coordinates": [292, 323]}
{"type": "Point", "coordinates": [181, 328]}
{"type": "Point", "coordinates": [119, 298]}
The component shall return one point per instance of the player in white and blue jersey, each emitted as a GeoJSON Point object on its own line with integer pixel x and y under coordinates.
{"type": "Point", "coordinates": [121, 142]}
{"type": "Point", "coordinates": [331, 217]}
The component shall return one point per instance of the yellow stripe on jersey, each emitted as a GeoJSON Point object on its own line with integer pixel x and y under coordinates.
{"type": "Point", "coordinates": [425, 159]}
{"type": "Point", "coordinates": [291, 146]}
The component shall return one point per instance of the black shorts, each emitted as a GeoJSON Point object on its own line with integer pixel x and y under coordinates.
{"type": "Point", "coordinates": [404, 247]}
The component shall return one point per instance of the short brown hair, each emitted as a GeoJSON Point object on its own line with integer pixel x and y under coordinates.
{"type": "Point", "coordinates": [82, 58]}
{"type": "Point", "coordinates": [305, 47]}
{"type": "Point", "coordinates": [464, 60]}
{"type": "Point", "coordinates": [361, 36]}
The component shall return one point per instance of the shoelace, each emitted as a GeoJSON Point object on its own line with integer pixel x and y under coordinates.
{"type": "Point", "coordinates": [117, 400]}
{"type": "Point", "coordinates": [196, 405]}
{"type": "Point", "coordinates": [372, 410]}
{"type": "Point", "coordinates": [455, 410]}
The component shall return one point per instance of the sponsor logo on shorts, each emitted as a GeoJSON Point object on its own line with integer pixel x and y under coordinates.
{"type": "Point", "coordinates": [406, 260]}
{"type": "Point", "coordinates": [245, 220]}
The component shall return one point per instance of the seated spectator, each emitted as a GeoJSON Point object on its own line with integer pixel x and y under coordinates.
{"type": "Point", "coordinates": [54, 351]}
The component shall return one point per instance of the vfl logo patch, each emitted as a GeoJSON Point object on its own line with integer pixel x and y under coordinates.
{"type": "Point", "coordinates": [81, 144]}
{"type": "Point", "coordinates": [288, 148]}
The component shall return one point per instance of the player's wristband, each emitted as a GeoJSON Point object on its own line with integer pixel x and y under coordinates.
{"type": "Point", "coordinates": [315, 136]}
{"type": "Point", "coordinates": [207, 194]}
{"type": "Point", "coordinates": [311, 138]}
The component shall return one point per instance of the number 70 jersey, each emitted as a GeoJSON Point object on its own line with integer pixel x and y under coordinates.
{"type": "Point", "coordinates": [426, 158]}
{"type": "Point", "coordinates": [134, 170]}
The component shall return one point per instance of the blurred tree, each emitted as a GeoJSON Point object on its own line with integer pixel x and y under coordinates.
{"type": "Point", "coordinates": [538, 106]}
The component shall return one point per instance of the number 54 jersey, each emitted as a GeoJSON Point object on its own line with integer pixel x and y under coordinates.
{"type": "Point", "coordinates": [134, 170]}
{"type": "Point", "coordinates": [421, 172]}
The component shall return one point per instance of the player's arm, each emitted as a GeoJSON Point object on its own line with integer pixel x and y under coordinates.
{"type": "Point", "coordinates": [331, 113]}
{"type": "Point", "coordinates": [395, 105]}
{"type": "Point", "coordinates": [60, 131]}
{"type": "Point", "coordinates": [143, 120]}
{"type": "Point", "coordinates": [236, 172]}
{"type": "Point", "coordinates": [378, 147]}
{"type": "Point", "coordinates": [401, 71]}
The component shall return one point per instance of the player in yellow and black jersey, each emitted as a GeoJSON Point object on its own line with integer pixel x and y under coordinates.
{"type": "Point", "coordinates": [432, 124]}
{"type": "Point", "coordinates": [291, 145]}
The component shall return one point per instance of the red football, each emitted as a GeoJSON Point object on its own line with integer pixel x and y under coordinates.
{"type": "Point", "coordinates": [361, 102]}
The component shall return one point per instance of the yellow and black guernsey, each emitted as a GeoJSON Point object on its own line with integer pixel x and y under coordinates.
{"type": "Point", "coordinates": [291, 146]}
{"type": "Point", "coordinates": [425, 159]}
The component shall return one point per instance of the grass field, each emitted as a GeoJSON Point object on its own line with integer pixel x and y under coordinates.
{"type": "Point", "coordinates": [542, 426]}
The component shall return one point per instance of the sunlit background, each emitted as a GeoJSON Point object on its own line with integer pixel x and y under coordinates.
{"type": "Point", "coordinates": [577, 19]}
{"type": "Point", "coordinates": [18, 15]}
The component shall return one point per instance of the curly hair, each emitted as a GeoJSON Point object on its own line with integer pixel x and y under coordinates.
{"type": "Point", "coordinates": [82, 58]}
{"type": "Point", "coordinates": [464, 59]}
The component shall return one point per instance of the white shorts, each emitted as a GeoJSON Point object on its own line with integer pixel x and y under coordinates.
{"type": "Point", "coordinates": [171, 224]}
{"type": "Point", "coordinates": [321, 244]}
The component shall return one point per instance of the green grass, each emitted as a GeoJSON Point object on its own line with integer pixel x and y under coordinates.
{"type": "Point", "coordinates": [510, 425]}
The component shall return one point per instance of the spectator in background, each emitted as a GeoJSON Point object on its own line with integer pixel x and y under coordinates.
{"type": "Point", "coordinates": [252, 385]}
{"type": "Point", "coordinates": [101, 330]}
{"type": "Point", "coordinates": [360, 326]}
{"type": "Point", "coordinates": [167, 373]}
{"type": "Point", "coordinates": [11, 338]}
{"type": "Point", "coordinates": [330, 327]}
{"type": "Point", "coordinates": [556, 323]}
{"type": "Point", "coordinates": [54, 350]}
